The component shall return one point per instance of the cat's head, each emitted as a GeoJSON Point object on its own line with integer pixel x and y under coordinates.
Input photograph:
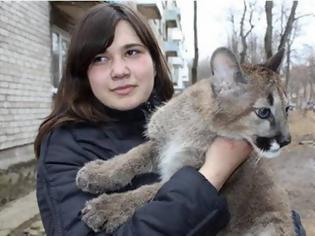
{"type": "Point", "coordinates": [251, 101]}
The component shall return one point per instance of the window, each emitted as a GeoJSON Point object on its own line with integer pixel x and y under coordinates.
{"type": "Point", "coordinates": [60, 43]}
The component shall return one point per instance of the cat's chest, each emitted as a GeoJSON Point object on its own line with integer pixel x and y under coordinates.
{"type": "Point", "coordinates": [182, 150]}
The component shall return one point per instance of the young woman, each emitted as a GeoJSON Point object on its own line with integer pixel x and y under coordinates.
{"type": "Point", "coordinates": [115, 75]}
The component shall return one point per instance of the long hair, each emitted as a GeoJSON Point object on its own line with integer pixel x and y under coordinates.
{"type": "Point", "coordinates": [75, 101]}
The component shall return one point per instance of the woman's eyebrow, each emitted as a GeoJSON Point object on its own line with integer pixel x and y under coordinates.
{"type": "Point", "coordinates": [133, 45]}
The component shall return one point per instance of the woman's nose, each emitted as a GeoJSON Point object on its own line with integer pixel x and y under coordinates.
{"type": "Point", "coordinates": [119, 68]}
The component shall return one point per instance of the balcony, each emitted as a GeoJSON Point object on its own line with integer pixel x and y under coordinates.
{"type": "Point", "coordinates": [172, 18]}
{"type": "Point", "coordinates": [175, 34]}
{"type": "Point", "coordinates": [175, 61]}
{"type": "Point", "coordinates": [73, 10]}
{"type": "Point", "coordinates": [149, 9]}
{"type": "Point", "coordinates": [171, 48]}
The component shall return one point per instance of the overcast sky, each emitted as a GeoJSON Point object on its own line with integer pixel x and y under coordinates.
{"type": "Point", "coordinates": [213, 25]}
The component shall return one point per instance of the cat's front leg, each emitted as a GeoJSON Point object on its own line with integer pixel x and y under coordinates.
{"type": "Point", "coordinates": [108, 212]}
{"type": "Point", "coordinates": [100, 176]}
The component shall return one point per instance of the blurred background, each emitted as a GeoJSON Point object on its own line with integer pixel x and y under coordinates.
{"type": "Point", "coordinates": [34, 38]}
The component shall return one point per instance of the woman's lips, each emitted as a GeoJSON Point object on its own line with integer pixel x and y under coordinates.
{"type": "Point", "coordinates": [124, 90]}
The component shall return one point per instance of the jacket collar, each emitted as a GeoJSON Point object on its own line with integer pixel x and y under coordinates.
{"type": "Point", "coordinates": [143, 111]}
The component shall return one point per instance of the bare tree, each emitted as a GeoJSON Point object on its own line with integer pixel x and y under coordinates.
{"type": "Point", "coordinates": [311, 64]}
{"type": "Point", "coordinates": [286, 34]}
{"type": "Point", "coordinates": [254, 50]}
{"type": "Point", "coordinates": [288, 29]}
{"type": "Point", "coordinates": [268, 34]}
{"type": "Point", "coordinates": [195, 61]}
{"type": "Point", "coordinates": [288, 54]}
{"type": "Point", "coordinates": [299, 86]}
{"type": "Point", "coordinates": [244, 35]}
{"type": "Point", "coordinates": [233, 41]}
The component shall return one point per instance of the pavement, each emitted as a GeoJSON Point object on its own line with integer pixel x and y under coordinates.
{"type": "Point", "coordinates": [15, 213]}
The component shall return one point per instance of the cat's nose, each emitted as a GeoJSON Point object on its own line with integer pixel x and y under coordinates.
{"type": "Point", "coordinates": [283, 140]}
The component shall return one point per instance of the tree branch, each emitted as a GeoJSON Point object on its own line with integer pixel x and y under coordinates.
{"type": "Point", "coordinates": [305, 15]}
{"type": "Point", "coordinates": [288, 28]}
{"type": "Point", "coordinates": [250, 23]}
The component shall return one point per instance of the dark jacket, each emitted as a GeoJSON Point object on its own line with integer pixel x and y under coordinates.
{"type": "Point", "coordinates": [186, 205]}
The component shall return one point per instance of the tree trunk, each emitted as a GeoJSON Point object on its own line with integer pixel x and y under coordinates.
{"type": "Point", "coordinates": [244, 35]}
{"type": "Point", "coordinates": [243, 39]}
{"type": "Point", "coordinates": [311, 91]}
{"type": "Point", "coordinates": [312, 76]}
{"type": "Point", "coordinates": [234, 37]}
{"type": "Point", "coordinates": [287, 69]}
{"type": "Point", "coordinates": [195, 61]}
{"type": "Point", "coordinates": [289, 26]}
{"type": "Point", "coordinates": [268, 35]}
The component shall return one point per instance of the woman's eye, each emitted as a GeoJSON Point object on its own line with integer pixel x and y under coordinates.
{"type": "Point", "coordinates": [100, 59]}
{"type": "Point", "coordinates": [132, 52]}
{"type": "Point", "coordinates": [263, 113]}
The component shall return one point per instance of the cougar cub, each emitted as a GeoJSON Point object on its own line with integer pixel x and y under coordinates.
{"type": "Point", "coordinates": [240, 102]}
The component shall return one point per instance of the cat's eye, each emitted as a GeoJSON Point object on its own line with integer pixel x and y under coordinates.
{"type": "Point", "coordinates": [263, 113]}
{"type": "Point", "coordinates": [288, 108]}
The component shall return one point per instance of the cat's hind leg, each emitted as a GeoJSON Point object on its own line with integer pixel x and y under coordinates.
{"type": "Point", "coordinates": [109, 211]}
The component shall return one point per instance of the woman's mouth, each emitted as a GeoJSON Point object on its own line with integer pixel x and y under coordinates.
{"type": "Point", "coordinates": [124, 90]}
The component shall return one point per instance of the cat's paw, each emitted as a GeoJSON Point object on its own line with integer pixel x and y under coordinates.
{"type": "Point", "coordinates": [106, 213]}
{"type": "Point", "coordinates": [89, 177]}
{"type": "Point", "coordinates": [102, 176]}
{"type": "Point", "coordinates": [93, 216]}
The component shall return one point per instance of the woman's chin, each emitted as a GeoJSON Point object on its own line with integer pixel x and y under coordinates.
{"type": "Point", "coordinates": [126, 106]}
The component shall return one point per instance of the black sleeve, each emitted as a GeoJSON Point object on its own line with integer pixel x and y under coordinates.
{"type": "Point", "coordinates": [186, 205]}
{"type": "Point", "coordinates": [59, 200]}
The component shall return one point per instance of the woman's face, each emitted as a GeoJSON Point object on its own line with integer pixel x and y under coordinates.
{"type": "Point", "coordinates": [122, 77]}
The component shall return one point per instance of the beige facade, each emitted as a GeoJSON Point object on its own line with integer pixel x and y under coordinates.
{"type": "Point", "coordinates": [34, 37]}
{"type": "Point", "coordinates": [25, 86]}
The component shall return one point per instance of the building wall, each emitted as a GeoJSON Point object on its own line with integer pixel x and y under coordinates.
{"type": "Point", "coordinates": [25, 62]}
{"type": "Point", "coordinates": [26, 67]}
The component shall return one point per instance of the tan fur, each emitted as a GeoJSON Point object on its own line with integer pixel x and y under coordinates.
{"type": "Point", "coordinates": [260, 203]}
{"type": "Point", "coordinates": [180, 132]}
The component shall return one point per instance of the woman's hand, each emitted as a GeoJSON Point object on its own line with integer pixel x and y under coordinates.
{"type": "Point", "coordinates": [222, 158]}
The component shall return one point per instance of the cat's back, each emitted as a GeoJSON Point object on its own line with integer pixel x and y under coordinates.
{"type": "Point", "coordinates": [184, 114]}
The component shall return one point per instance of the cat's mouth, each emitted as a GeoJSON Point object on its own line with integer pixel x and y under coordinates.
{"type": "Point", "coordinates": [266, 147]}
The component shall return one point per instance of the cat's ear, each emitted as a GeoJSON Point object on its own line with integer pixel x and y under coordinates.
{"type": "Point", "coordinates": [226, 71]}
{"type": "Point", "coordinates": [274, 62]}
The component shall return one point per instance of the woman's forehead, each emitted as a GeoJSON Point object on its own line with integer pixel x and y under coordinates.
{"type": "Point", "coordinates": [125, 36]}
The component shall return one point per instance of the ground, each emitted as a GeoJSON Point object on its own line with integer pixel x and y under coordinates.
{"type": "Point", "coordinates": [294, 169]}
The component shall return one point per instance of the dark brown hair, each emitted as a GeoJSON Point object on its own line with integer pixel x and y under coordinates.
{"type": "Point", "coordinates": [74, 101]}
